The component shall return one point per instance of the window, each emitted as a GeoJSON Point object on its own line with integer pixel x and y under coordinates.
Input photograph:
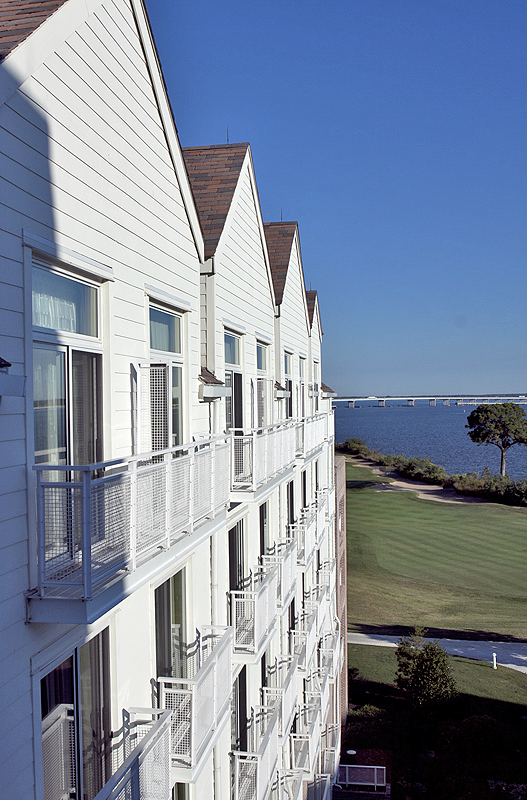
{"type": "Point", "coordinates": [63, 304]}
{"type": "Point", "coordinates": [315, 387]}
{"type": "Point", "coordinates": [264, 528]}
{"type": "Point", "coordinates": [234, 382]}
{"type": "Point", "coordinates": [302, 390]}
{"type": "Point", "coordinates": [160, 418]}
{"type": "Point", "coordinates": [232, 349]}
{"type": "Point", "coordinates": [165, 331]}
{"type": "Point", "coordinates": [236, 558]}
{"type": "Point", "coordinates": [76, 725]}
{"type": "Point", "coordinates": [67, 373]}
{"type": "Point", "coordinates": [288, 369]}
{"type": "Point", "coordinates": [261, 357]}
{"type": "Point", "coordinates": [261, 386]}
{"type": "Point", "coordinates": [170, 626]}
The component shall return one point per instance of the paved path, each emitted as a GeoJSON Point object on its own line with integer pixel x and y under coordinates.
{"type": "Point", "coordinates": [509, 654]}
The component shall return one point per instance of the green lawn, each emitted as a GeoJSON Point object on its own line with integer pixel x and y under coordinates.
{"type": "Point", "coordinates": [453, 568]}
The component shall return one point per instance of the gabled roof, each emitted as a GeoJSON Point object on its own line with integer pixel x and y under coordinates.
{"type": "Point", "coordinates": [279, 237]}
{"type": "Point", "coordinates": [19, 18]}
{"type": "Point", "coordinates": [213, 172]}
{"type": "Point", "coordinates": [311, 297]}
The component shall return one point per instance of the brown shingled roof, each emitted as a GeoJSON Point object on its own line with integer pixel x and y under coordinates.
{"type": "Point", "coordinates": [213, 172]}
{"type": "Point", "coordinates": [279, 237]}
{"type": "Point", "coordinates": [19, 18]}
{"type": "Point", "coordinates": [311, 296]}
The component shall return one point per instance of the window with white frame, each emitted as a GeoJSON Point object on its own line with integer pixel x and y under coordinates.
{"type": "Point", "coordinates": [67, 367]}
{"type": "Point", "coordinates": [315, 386]}
{"type": "Point", "coordinates": [261, 385]}
{"type": "Point", "coordinates": [233, 381]}
{"type": "Point", "coordinates": [161, 384]}
{"type": "Point", "coordinates": [302, 387]}
{"type": "Point", "coordinates": [288, 372]}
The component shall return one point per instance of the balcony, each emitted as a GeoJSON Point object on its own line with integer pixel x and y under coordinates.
{"type": "Point", "coordinates": [284, 558]}
{"type": "Point", "coordinates": [261, 454]}
{"type": "Point", "coordinates": [143, 757]}
{"type": "Point", "coordinates": [304, 532]}
{"type": "Point", "coordinates": [253, 614]}
{"type": "Point", "coordinates": [281, 691]}
{"type": "Point", "coordinates": [363, 778]}
{"type": "Point", "coordinates": [317, 690]}
{"type": "Point", "coordinates": [312, 432]}
{"type": "Point", "coordinates": [304, 639]}
{"type": "Point", "coordinates": [199, 702]}
{"type": "Point", "coordinates": [98, 522]}
{"type": "Point", "coordinates": [327, 578]}
{"type": "Point", "coordinates": [315, 601]}
{"type": "Point", "coordinates": [289, 784]}
{"type": "Point", "coordinates": [330, 750]}
{"type": "Point", "coordinates": [330, 651]}
{"type": "Point", "coordinates": [305, 742]}
{"type": "Point", "coordinates": [320, 788]}
{"type": "Point", "coordinates": [253, 772]}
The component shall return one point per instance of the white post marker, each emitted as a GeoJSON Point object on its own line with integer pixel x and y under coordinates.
{"type": "Point", "coordinates": [494, 664]}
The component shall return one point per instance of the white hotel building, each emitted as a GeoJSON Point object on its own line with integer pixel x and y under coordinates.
{"type": "Point", "coordinates": [172, 556]}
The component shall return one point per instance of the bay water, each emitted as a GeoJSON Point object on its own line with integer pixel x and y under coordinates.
{"type": "Point", "coordinates": [434, 432]}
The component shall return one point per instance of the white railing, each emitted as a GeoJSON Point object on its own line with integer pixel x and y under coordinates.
{"type": "Point", "coordinates": [321, 505]}
{"type": "Point", "coordinates": [304, 639]}
{"type": "Point", "coordinates": [260, 454]}
{"type": "Point", "coordinates": [320, 789]}
{"type": "Point", "coordinates": [253, 611]}
{"type": "Point", "coordinates": [305, 742]}
{"type": "Point", "coordinates": [254, 770]}
{"type": "Point", "coordinates": [281, 691]}
{"type": "Point", "coordinates": [330, 650]}
{"type": "Point", "coordinates": [96, 520]}
{"type": "Point", "coordinates": [289, 784]}
{"type": "Point", "coordinates": [305, 534]}
{"type": "Point", "coordinates": [284, 559]}
{"type": "Point", "coordinates": [144, 756]}
{"type": "Point", "coordinates": [330, 505]}
{"type": "Point", "coordinates": [362, 776]}
{"type": "Point", "coordinates": [330, 749]}
{"type": "Point", "coordinates": [317, 690]}
{"type": "Point", "coordinates": [315, 600]}
{"type": "Point", "coordinates": [198, 702]}
{"type": "Point", "coordinates": [312, 432]}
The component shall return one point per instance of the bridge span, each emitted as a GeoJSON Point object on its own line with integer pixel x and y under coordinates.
{"type": "Point", "coordinates": [446, 399]}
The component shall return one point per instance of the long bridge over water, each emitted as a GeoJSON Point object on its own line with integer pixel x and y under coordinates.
{"type": "Point", "coordinates": [446, 399]}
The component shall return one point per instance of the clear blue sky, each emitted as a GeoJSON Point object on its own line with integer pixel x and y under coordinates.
{"type": "Point", "coordinates": [395, 132]}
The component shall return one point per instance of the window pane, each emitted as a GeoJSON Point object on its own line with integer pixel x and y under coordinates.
{"type": "Point", "coordinates": [302, 367]}
{"type": "Point", "coordinates": [62, 304]}
{"type": "Point", "coordinates": [287, 364]}
{"type": "Point", "coordinates": [49, 392]}
{"type": "Point", "coordinates": [177, 407]}
{"type": "Point", "coordinates": [165, 331]}
{"type": "Point", "coordinates": [232, 349]}
{"type": "Point", "coordinates": [261, 357]}
{"type": "Point", "coordinates": [228, 402]}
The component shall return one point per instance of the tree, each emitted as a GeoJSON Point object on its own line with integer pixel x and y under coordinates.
{"type": "Point", "coordinates": [500, 424]}
{"type": "Point", "coordinates": [423, 670]}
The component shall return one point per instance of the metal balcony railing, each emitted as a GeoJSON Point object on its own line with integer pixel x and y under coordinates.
{"type": "Point", "coordinates": [327, 577]}
{"type": "Point", "coordinates": [95, 521]}
{"type": "Point", "coordinates": [305, 742]}
{"type": "Point", "coordinates": [198, 702]}
{"type": "Point", "coordinates": [330, 650]}
{"type": "Point", "coordinates": [281, 691]}
{"type": "Point", "coordinates": [260, 454]}
{"type": "Point", "coordinates": [315, 600]}
{"type": "Point", "coordinates": [304, 532]}
{"type": "Point", "coordinates": [253, 772]}
{"type": "Point", "coordinates": [284, 559]}
{"type": "Point", "coordinates": [362, 777]}
{"type": "Point", "coordinates": [289, 784]}
{"type": "Point", "coordinates": [304, 639]}
{"type": "Point", "coordinates": [330, 749]}
{"type": "Point", "coordinates": [320, 788]}
{"type": "Point", "coordinates": [312, 432]}
{"type": "Point", "coordinates": [142, 754]}
{"type": "Point", "coordinates": [253, 611]}
{"type": "Point", "coordinates": [317, 689]}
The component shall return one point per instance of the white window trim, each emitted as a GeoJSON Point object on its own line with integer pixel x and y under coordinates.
{"type": "Point", "coordinates": [70, 258]}
{"type": "Point", "coordinates": [167, 355]}
{"type": "Point", "coordinates": [168, 300]}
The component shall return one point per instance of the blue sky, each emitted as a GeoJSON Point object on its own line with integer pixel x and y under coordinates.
{"type": "Point", "coordinates": [395, 132]}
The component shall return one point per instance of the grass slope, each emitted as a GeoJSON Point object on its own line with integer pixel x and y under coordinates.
{"type": "Point", "coordinates": [454, 568]}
